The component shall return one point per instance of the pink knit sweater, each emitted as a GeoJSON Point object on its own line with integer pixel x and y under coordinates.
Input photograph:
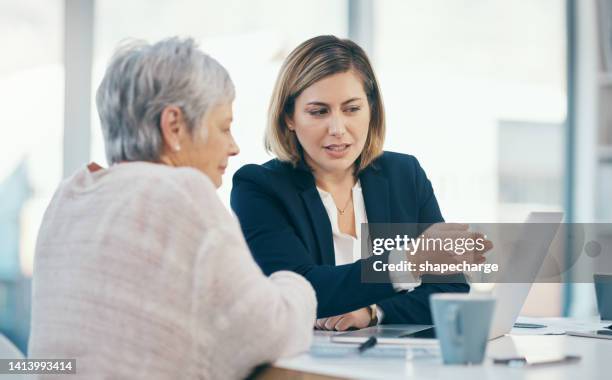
{"type": "Point", "coordinates": [141, 273]}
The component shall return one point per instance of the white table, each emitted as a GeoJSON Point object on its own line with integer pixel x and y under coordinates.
{"type": "Point", "coordinates": [595, 363]}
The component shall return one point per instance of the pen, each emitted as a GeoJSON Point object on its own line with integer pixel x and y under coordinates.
{"type": "Point", "coordinates": [371, 342]}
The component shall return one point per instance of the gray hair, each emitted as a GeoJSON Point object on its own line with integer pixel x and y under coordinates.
{"type": "Point", "coordinates": [141, 80]}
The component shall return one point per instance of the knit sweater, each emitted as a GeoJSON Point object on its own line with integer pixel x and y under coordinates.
{"type": "Point", "coordinates": [141, 273]}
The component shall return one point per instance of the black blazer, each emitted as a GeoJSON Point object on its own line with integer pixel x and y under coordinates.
{"type": "Point", "coordinates": [287, 228]}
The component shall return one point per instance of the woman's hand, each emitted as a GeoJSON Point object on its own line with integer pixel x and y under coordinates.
{"type": "Point", "coordinates": [456, 232]}
{"type": "Point", "coordinates": [357, 319]}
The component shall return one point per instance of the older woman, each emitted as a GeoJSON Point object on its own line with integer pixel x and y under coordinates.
{"type": "Point", "coordinates": [140, 272]}
{"type": "Point", "coordinates": [326, 127]}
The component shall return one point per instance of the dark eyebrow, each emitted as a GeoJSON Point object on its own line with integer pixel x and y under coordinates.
{"type": "Point", "coordinates": [350, 100]}
{"type": "Point", "coordinates": [316, 104]}
{"type": "Point", "coordinates": [325, 104]}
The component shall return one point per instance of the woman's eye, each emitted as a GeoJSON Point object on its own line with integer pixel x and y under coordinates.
{"type": "Point", "coordinates": [353, 109]}
{"type": "Point", "coordinates": [318, 112]}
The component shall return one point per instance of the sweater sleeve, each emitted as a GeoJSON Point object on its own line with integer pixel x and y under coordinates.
{"type": "Point", "coordinates": [248, 318]}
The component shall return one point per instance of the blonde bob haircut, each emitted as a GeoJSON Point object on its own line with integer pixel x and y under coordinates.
{"type": "Point", "coordinates": [313, 60]}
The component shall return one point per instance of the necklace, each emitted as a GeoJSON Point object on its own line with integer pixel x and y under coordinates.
{"type": "Point", "coordinates": [342, 210]}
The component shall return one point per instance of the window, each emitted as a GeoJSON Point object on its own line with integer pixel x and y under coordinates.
{"type": "Point", "coordinates": [463, 82]}
{"type": "Point", "coordinates": [31, 97]}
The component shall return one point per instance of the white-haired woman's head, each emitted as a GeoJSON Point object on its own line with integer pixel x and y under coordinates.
{"type": "Point", "coordinates": [167, 103]}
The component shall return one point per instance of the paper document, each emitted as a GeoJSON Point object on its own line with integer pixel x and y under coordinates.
{"type": "Point", "coordinates": [559, 326]}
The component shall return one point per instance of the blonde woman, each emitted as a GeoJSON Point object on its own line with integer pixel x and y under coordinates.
{"type": "Point", "coordinates": [302, 211]}
{"type": "Point", "coordinates": [140, 272]}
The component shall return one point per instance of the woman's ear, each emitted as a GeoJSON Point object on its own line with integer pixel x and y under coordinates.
{"type": "Point", "coordinates": [289, 123]}
{"type": "Point", "coordinates": [172, 127]}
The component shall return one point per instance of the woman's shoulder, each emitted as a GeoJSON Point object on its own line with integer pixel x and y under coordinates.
{"type": "Point", "coordinates": [274, 166]}
{"type": "Point", "coordinates": [166, 188]}
{"type": "Point", "coordinates": [394, 162]}
{"type": "Point", "coordinates": [271, 173]}
{"type": "Point", "coordinates": [182, 190]}
{"type": "Point", "coordinates": [167, 179]}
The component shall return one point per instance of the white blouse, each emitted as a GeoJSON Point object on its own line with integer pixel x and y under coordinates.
{"type": "Point", "coordinates": [347, 249]}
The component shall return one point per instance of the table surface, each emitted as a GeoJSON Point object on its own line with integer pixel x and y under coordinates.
{"type": "Point", "coordinates": [596, 356]}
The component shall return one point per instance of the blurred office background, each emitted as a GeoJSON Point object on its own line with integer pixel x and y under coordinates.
{"type": "Point", "coordinates": [503, 102]}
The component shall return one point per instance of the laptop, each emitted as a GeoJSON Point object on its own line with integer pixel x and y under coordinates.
{"type": "Point", "coordinates": [510, 296]}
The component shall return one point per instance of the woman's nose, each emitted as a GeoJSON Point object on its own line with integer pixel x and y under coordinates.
{"type": "Point", "coordinates": [234, 148]}
{"type": "Point", "coordinates": [336, 126]}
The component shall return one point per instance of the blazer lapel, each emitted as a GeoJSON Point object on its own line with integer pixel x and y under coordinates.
{"type": "Point", "coordinates": [375, 190]}
{"type": "Point", "coordinates": [321, 225]}
{"type": "Point", "coordinates": [318, 216]}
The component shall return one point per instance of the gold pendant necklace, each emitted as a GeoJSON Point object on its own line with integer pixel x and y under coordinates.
{"type": "Point", "coordinates": [342, 210]}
